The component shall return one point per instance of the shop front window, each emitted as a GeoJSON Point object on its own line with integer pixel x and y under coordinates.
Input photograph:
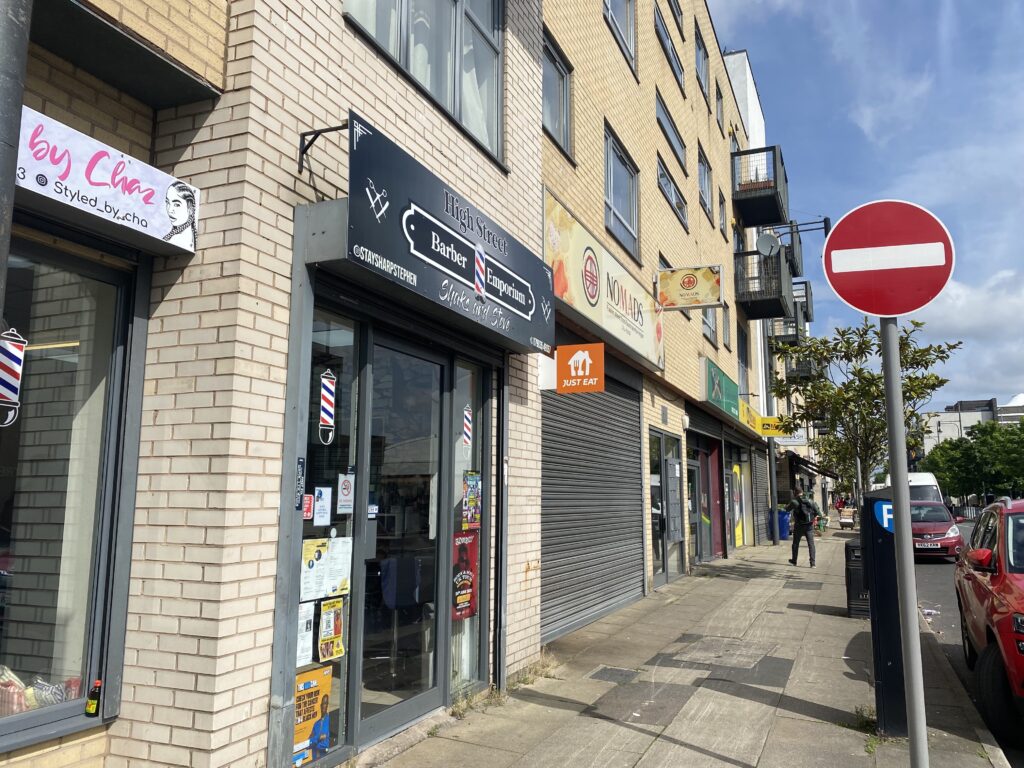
{"type": "Point", "coordinates": [324, 614]}
{"type": "Point", "coordinates": [56, 385]}
{"type": "Point", "coordinates": [468, 511]}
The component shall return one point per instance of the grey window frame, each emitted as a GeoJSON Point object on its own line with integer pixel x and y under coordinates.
{"type": "Point", "coordinates": [108, 612]}
{"type": "Point", "coordinates": [677, 14]}
{"type": "Point", "coordinates": [702, 63]}
{"type": "Point", "coordinates": [705, 201]}
{"type": "Point", "coordinates": [496, 40]}
{"type": "Point", "coordinates": [669, 48]}
{"type": "Point", "coordinates": [726, 325]}
{"type": "Point", "coordinates": [722, 215]}
{"type": "Point", "coordinates": [670, 130]}
{"type": "Point", "coordinates": [613, 148]}
{"type": "Point", "coordinates": [626, 39]}
{"type": "Point", "coordinates": [719, 107]}
{"type": "Point", "coordinates": [743, 360]}
{"type": "Point", "coordinates": [709, 324]}
{"type": "Point", "coordinates": [673, 191]}
{"type": "Point", "coordinates": [553, 51]}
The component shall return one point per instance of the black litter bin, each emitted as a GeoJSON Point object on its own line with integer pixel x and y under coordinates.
{"type": "Point", "coordinates": [857, 606]}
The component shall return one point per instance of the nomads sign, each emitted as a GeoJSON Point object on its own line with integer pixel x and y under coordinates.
{"type": "Point", "coordinates": [579, 368]}
{"type": "Point", "coordinates": [102, 188]}
{"type": "Point", "coordinates": [690, 287]}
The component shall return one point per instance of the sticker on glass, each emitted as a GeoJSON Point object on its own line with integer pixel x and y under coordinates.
{"type": "Point", "coordinates": [12, 360]}
{"type": "Point", "coordinates": [327, 386]}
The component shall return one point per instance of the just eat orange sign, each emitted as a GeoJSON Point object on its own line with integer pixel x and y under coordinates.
{"type": "Point", "coordinates": [579, 368]}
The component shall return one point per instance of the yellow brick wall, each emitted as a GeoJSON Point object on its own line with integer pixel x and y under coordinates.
{"type": "Point", "coordinates": [192, 32]}
{"type": "Point", "coordinates": [82, 750]}
{"type": "Point", "coordinates": [66, 93]}
{"type": "Point", "coordinates": [606, 89]}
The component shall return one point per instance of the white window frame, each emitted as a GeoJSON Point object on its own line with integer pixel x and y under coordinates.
{"type": "Point", "coordinates": [553, 52]}
{"type": "Point", "coordinates": [615, 151]}
{"type": "Point", "coordinates": [703, 63]}
{"type": "Point", "coordinates": [704, 182]}
{"type": "Point", "coordinates": [673, 195]}
{"type": "Point", "coordinates": [626, 38]}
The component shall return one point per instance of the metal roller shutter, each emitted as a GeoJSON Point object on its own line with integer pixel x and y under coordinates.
{"type": "Point", "coordinates": [704, 422]}
{"type": "Point", "coordinates": [759, 465]}
{"type": "Point", "coordinates": [592, 555]}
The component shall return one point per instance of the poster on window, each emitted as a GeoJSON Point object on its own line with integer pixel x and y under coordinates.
{"type": "Point", "coordinates": [304, 646]}
{"type": "Point", "coordinates": [471, 486]}
{"type": "Point", "coordinates": [465, 574]}
{"type": "Point", "coordinates": [312, 722]}
{"type": "Point", "coordinates": [313, 578]}
{"type": "Point", "coordinates": [331, 625]}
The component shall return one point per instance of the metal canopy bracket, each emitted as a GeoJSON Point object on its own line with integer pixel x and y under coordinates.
{"type": "Point", "coordinates": [308, 138]}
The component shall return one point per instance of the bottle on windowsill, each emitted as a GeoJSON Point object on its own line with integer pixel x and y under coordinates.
{"type": "Point", "coordinates": [92, 701]}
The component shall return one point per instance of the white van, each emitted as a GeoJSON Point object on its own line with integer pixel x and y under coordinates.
{"type": "Point", "coordinates": [923, 486]}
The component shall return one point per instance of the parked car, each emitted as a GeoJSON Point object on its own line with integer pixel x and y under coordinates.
{"type": "Point", "coordinates": [989, 581]}
{"type": "Point", "coordinates": [935, 530]}
{"type": "Point", "coordinates": [923, 486]}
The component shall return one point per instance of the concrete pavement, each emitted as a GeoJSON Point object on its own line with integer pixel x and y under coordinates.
{"type": "Point", "coordinates": [750, 662]}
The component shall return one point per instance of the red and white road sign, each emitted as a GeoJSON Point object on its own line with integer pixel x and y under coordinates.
{"type": "Point", "coordinates": [888, 258]}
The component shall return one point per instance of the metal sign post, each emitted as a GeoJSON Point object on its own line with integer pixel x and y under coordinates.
{"type": "Point", "coordinates": [906, 581]}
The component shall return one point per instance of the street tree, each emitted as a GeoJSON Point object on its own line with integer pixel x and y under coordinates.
{"type": "Point", "coordinates": [989, 459]}
{"type": "Point", "coordinates": [843, 392]}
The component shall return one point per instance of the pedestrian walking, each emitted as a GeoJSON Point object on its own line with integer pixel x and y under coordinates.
{"type": "Point", "coordinates": [803, 512]}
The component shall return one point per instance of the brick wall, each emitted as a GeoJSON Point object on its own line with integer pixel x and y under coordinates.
{"type": "Point", "coordinates": [82, 750]}
{"type": "Point", "coordinates": [202, 593]}
{"type": "Point", "coordinates": [192, 33]}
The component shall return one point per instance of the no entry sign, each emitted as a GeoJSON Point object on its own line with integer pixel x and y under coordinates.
{"type": "Point", "coordinates": [888, 258]}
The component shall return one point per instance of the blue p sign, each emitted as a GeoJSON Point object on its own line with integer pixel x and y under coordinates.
{"type": "Point", "coordinates": [884, 516]}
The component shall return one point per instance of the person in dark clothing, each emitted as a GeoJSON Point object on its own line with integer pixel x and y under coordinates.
{"type": "Point", "coordinates": [803, 511]}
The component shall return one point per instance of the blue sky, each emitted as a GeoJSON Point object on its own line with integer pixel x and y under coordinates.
{"type": "Point", "coordinates": [912, 99]}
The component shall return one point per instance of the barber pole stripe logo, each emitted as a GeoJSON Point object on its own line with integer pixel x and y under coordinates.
{"type": "Point", "coordinates": [327, 389]}
{"type": "Point", "coordinates": [480, 273]}
{"type": "Point", "coordinates": [12, 360]}
{"type": "Point", "coordinates": [467, 426]}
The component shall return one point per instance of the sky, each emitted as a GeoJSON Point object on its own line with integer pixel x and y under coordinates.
{"type": "Point", "coordinates": [918, 100]}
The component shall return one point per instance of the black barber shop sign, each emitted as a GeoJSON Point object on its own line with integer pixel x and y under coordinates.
{"type": "Point", "coordinates": [408, 226]}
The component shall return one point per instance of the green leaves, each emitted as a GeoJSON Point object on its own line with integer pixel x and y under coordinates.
{"type": "Point", "coordinates": [989, 459]}
{"type": "Point", "coordinates": [848, 392]}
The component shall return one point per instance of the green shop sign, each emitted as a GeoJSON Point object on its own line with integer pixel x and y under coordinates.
{"type": "Point", "coordinates": [721, 391]}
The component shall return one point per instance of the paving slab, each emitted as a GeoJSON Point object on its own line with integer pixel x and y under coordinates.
{"type": "Point", "coordinates": [811, 744]}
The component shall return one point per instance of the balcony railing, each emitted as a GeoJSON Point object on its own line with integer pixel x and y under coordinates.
{"type": "Point", "coordinates": [797, 370]}
{"type": "Point", "coordinates": [804, 300]}
{"type": "Point", "coordinates": [760, 189]}
{"type": "Point", "coordinates": [788, 330]}
{"type": "Point", "coordinates": [764, 285]}
{"type": "Point", "coordinates": [795, 252]}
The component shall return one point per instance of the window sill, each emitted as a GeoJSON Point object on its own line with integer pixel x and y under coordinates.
{"type": "Point", "coordinates": [725, 235]}
{"type": "Point", "coordinates": [565, 152]}
{"type": "Point", "coordinates": [712, 342]}
{"type": "Point", "coordinates": [629, 251]}
{"type": "Point", "coordinates": [707, 212]}
{"type": "Point", "coordinates": [385, 55]}
{"type": "Point", "coordinates": [56, 729]}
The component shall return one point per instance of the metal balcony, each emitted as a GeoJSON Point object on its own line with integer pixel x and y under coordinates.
{"type": "Point", "coordinates": [797, 370]}
{"type": "Point", "coordinates": [804, 300]}
{"type": "Point", "coordinates": [788, 330]}
{"type": "Point", "coordinates": [760, 189]}
{"type": "Point", "coordinates": [764, 285]}
{"type": "Point", "coordinates": [795, 251]}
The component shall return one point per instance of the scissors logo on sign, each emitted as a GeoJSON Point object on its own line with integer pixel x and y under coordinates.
{"type": "Point", "coordinates": [378, 200]}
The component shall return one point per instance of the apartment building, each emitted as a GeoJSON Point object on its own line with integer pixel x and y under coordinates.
{"type": "Point", "coordinates": [280, 298]}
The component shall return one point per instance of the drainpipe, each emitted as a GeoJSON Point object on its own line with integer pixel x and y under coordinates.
{"type": "Point", "coordinates": [15, 21]}
{"type": "Point", "coordinates": [769, 407]}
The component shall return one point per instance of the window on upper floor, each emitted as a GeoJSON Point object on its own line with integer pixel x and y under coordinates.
{"type": "Point", "coordinates": [620, 195]}
{"type": "Point", "coordinates": [739, 244]}
{"type": "Point", "coordinates": [709, 318]}
{"type": "Point", "coordinates": [704, 181]}
{"type": "Point", "coordinates": [719, 107]}
{"type": "Point", "coordinates": [677, 14]}
{"type": "Point", "coordinates": [743, 361]}
{"type": "Point", "coordinates": [675, 198]}
{"type": "Point", "coordinates": [451, 48]}
{"type": "Point", "coordinates": [557, 95]}
{"type": "Point", "coordinates": [621, 17]}
{"type": "Point", "coordinates": [667, 46]}
{"type": "Point", "coordinates": [721, 215]}
{"type": "Point", "coordinates": [702, 64]}
{"type": "Point", "coordinates": [668, 127]}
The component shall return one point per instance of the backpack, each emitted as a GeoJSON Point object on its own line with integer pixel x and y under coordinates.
{"type": "Point", "coordinates": [804, 512]}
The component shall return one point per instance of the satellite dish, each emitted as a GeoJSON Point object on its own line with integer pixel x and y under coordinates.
{"type": "Point", "coordinates": [768, 244]}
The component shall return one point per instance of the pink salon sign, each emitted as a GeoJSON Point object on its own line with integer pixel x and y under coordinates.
{"type": "Point", "coordinates": [64, 165]}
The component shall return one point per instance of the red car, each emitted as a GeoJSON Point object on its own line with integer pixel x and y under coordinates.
{"type": "Point", "coordinates": [935, 531]}
{"type": "Point", "coordinates": [990, 594]}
